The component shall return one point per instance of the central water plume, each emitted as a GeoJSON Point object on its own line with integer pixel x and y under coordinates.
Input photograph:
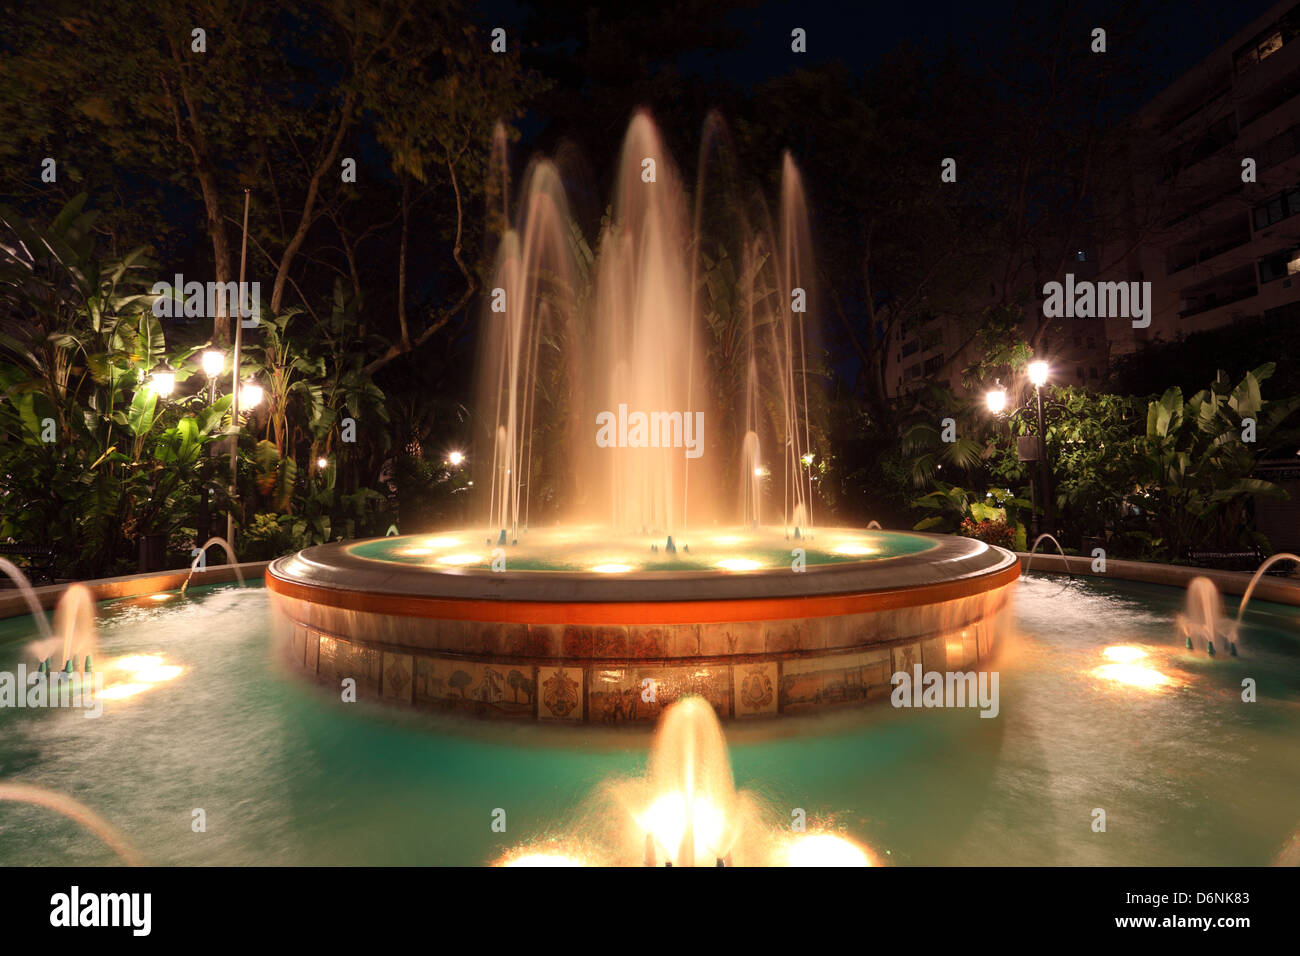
{"type": "Point", "coordinates": [604, 374]}
{"type": "Point", "coordinates": [686, 811]}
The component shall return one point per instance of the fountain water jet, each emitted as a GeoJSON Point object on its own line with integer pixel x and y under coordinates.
{"type": "Point", "coordinates": [77, 812]}
{"type": "Point", "coordinates": [1047, 537]}
{"type": "Point", "coordinates": [1250, 588]}
{"type": "Point", "coordinates": [1204, 616]}
{"type": "Point", "coordinates": [74, 618]}
{"type": "Point", "coordinates": [230, 559]}
{"type": "Point", "coordinates": [667, 330]}
{"type": "Point", "coordinates": [29, 595]}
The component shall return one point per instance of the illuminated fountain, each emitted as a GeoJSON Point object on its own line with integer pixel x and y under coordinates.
{"type": "Point", "coordinates": [686, 811]}
{"type": "Point", "coordinates": [645, 457]}
{"type": "Point", "coordinates": [1203, 625]}
{"type": "Point", "coordinates": [73, 641]}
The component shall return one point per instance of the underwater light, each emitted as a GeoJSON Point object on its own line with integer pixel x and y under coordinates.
{"type": "Point", "coordinates": [137, 662]}
{"type": "Point", "coordinates": [122, 691]}
{"type": "Point", "coordinates": [612, 568]}
{"type": "Point", "coordinates": [544, 859]}
{"type": "Point", "coordinates": [738, 564]}
{"type": "Point", "coordinates": [145, 672]}
{"type": "Point", "coordinates": [1125, 669]}
{"type": "Point", "coordinates": [158, 674]}
{"type": "Point", "coordinates": [667, 817]}
{"type": "Point", "coordinates": [854, 547]}
{"type": "Point", "coordinates": [459, 559]}
{"type": "Point", "coordinates": [825, 849]}
{"type": "Point", "coordinates": [1135, 675]}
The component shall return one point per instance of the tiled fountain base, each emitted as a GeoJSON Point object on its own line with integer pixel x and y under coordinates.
{"type": "Point", "coordinates": [629, 674]}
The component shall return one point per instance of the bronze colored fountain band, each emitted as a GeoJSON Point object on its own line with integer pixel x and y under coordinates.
{"type": "Point", "coordinates": [645, 613]}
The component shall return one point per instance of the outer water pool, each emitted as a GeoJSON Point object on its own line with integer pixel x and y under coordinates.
{"type": "Point", "coordinates": [1187, 773]}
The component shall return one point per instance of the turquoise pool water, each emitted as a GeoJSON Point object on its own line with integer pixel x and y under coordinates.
{"type": "Point", "coordinates": [578, 550]}
{"type": "Point", "coordinates": [288, 774]}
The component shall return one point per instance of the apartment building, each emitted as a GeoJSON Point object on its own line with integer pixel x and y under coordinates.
{"type": "Point", "coordinates": [1215, 246]}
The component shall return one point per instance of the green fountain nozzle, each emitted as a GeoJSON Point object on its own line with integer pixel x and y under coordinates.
{"type": "Point", "coordinates": [43, 667]}
{"type": "Point", "coordinates": [670, 548]}
{"type": "Point", "coordinates": [686, 548]}
{"type": "Point", "coordinates": [87, 668]}
{"type": "Point", "coordinates": [501, 538]}
{"type": "Point", "coordinates": [67, 667]}
{"type": "Point", "coordinates": [797, 535]}
{"type": "Point", "coordinates": [1232, 648]}
{"type": "Point", "coordinates": [1209, 646]}
{"type": "Point", "coordinates": [719, 863]}
{"type": "Point", "coordinates": [1189, 643]}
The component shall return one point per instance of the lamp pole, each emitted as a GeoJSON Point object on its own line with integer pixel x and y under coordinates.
{"type": "Point", "coordinates": [1044, 473]}
{"type": "Point", "coordinates": [234, 381]}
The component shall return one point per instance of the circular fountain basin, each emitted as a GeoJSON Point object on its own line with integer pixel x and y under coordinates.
{"type": "Point", "coordinates": [570, 631]}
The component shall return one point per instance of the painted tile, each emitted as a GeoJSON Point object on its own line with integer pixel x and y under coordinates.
{"type": "Point", "coordinates": [559, 693]}
{"type": "Point", "coordinates": [756, 688]}
{"type": "Point", "coordinates": [398, 677]}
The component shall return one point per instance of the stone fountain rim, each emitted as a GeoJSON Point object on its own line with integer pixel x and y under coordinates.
{"type": "Point", "coordinates": [953, 561]}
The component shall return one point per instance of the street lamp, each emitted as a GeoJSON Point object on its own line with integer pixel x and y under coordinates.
{"type": "Point", "coordinates": [213, 361]}
{"type": "Point", "coordinates": [234, 382]}
{"type": "Point", "coordinates": [996, 399]}
{"type": "Point", "coordinates": [250, 394]}
{"type": "Point", "coordinates": [1038, 372]}
{"type": "Point", "coordinates": [1031, 447]}
{"type": "Point", "coordinates": [162, 381]}
{"type": "Point", "coordinates": [456, 459]}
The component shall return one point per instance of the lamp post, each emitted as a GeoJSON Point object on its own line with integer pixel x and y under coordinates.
{"type": "Point", "coordinates": [212, 361]}
{"type": "Point", "coordinates": [1035, 450]}
{"type": "Point", "coordinates": [234, 385]}
{"type": "Point", "coordinates": [1038, 373]}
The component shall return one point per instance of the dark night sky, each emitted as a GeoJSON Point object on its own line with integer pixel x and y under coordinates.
{"type": "Point", "coordinates": [1186, 31]}
{"type": "Point", "coordinates": [1189, 31]}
